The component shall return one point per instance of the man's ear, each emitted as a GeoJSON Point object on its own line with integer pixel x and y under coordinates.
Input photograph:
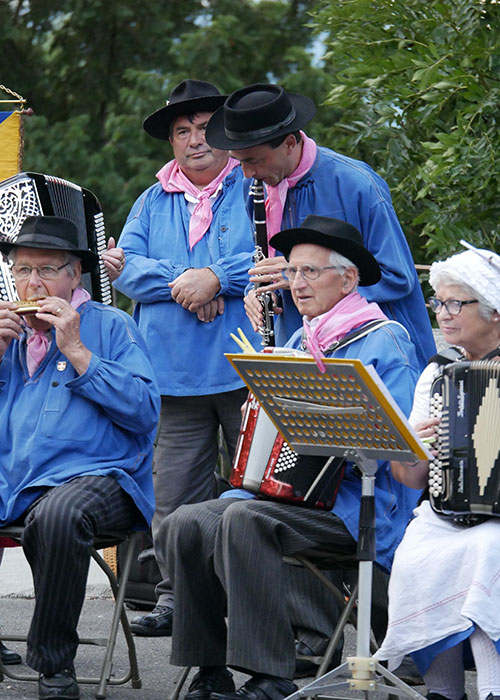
{"type": "Point", "coordinates": [349, 279]}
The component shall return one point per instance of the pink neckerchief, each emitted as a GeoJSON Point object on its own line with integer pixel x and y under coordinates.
{"type": "Point", "coordinates": [351, 312]}
{"type": "Point", "coordinates": [172, 179]}
{"type": "Point", "coordinates": [38, 343]}
{"type": "Point", "coordinates": [276, 194]}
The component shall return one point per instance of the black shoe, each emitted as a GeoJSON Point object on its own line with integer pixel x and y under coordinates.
{"type": "Point", "coordinates": [492, 697]}
{"type": "Point", "coordinates": [305, 668]}
{"type": "Point", "coordinates": [210, 679]}
{"type": "Point", "coordinates": [437, 696]}
{"type": "Point", "coordinates": [59, 685]}
{"type": "Point", "coordinates": [260, 687]}
{"type": "Point", "coordinates": [157, 623]}
{"type": "Point", "coordinates": [408, 672]}
{"type": "Point", "coordinates": [9, 657]}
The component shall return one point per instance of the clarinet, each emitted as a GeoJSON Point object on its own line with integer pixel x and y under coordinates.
{"type": "Point", "coordinates": [261, 252]}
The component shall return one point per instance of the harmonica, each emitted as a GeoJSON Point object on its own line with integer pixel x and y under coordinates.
{"type": "Point", "coordinates": [27, 307]}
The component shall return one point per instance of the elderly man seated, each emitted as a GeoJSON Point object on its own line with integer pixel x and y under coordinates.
{"type": "Point", "coordinates": [226, 556]}
{"type": "Point", "coordinates": [78, 409]}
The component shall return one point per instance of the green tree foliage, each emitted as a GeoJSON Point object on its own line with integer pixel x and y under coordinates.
{"type": "Point", "coordinates": [418, 86]}
{"type": "Point", "coordinates": [92, 70]}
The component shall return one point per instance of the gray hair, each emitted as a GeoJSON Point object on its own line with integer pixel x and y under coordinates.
{"type": "Point", "coordinates": [341, 263]}
{"type": "Point", "coordinates": [445, 277]}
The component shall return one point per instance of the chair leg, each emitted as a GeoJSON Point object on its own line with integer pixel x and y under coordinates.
{"type": "Point", "coordinates": [119, 615]}
{"type": "Point", "coordinates": [179, 683]}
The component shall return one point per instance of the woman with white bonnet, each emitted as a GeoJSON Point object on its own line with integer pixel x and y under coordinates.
{"type": "Point", "coordinates": [444, 590]}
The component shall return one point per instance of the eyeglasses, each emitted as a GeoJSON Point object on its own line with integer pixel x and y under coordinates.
{"type": "Point", "coordinates": [452, 306]}
{"type": "Point", "coordinates": [308, 272]}
{"type": "Point", "coordinates": [45, 272]}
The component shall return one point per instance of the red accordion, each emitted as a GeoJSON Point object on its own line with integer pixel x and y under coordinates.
{"type": "Point", "coordinates": [264, 464]}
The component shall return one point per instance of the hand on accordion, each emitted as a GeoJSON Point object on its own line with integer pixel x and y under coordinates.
{"type": "Point", "coordinates": [113, 259]}
{"type": "Point", "coordinates": [427, 431]}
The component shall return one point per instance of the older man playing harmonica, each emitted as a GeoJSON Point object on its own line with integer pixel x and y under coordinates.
{"type": "Point", "coordinates": [78, 408]}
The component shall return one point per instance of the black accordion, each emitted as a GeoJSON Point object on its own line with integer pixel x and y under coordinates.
{"type": "Point", "coordinates": [464, 479]}
{"type": "Point", "coordinates": [34, 194]}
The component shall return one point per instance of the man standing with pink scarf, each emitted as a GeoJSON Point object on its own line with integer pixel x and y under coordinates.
{"type": "Point", "coordinates": [261, 126]}
{"type": "Point", "coordinates": [188, 247]}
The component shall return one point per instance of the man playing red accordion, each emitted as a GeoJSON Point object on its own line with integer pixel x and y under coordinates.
{"type": "Point", "coordinates": [226, 556]}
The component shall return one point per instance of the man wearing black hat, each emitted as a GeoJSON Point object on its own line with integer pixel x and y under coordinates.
{"type": "Point", "coordinates": [76, 452]}
{"type": "Point", "coordinates": [260, 125]}
{"type": "Point", "coordinates": [225, 556]}
{"type": "Point", "coordinates": [188, 248]}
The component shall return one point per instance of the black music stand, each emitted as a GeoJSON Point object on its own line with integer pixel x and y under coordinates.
{"type": "Point", "coordinates": [345, 411]}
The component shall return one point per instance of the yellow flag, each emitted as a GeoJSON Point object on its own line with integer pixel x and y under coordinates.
{"type": "Point", "coordinates": [10, 144]}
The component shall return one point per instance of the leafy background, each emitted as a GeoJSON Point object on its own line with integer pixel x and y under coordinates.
{"type": "Point", "coordinates": [410, 87]}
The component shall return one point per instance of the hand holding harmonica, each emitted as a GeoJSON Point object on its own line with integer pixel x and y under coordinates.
{"type": "Point", "coordinates": [11, 325]}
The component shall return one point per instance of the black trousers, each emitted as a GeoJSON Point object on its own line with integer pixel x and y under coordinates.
{"type": "Point", "coordinates": [226, 557]}
{"type": "Point", "coordinates": [59, 528]}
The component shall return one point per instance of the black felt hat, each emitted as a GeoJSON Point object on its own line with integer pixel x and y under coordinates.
{"type": "Point", "coordinates": [256, 114]}
{"type": "Point", "coordinates": [187, 97]}
{"type": "Point", "coordinates": [51, 233]}
{"type": "Point", "coordinates": [335, 234]}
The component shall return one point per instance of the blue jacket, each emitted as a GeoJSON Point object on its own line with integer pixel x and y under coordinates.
{"type": "Point", "coordinates": [188, 355]}
{"type": "Point", "coordinates": [57, 425]}
{"type": "Point", "coordinates": [350, 190]}
{"type": "Point", "coordinates": [393, 357]}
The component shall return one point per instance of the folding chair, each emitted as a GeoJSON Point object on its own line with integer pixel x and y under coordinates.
{"type": "Point", "coordinates": [117, 584]}
{"type": "Point", "coordinates": [317, 562]}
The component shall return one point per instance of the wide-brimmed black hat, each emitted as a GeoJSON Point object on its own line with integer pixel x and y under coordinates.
{"type": "Point", "coordinates": [256, 114]}
{"type": "Point", "coordinates": [335, 234]}
{"type": "Point", "coordinates": [51, 233]}
{"type": "Point", "coordinates": [188, 97]}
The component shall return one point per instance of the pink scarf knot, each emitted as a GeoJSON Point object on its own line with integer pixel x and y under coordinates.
{"type": "Point", "coordinates": [36, 349]}
{"type": "Point", "coordinates": [276, 194]}
{"type": "Point", "coordinates": [350, 313]}
{"type": "Point", "coordinates": [172, 179]}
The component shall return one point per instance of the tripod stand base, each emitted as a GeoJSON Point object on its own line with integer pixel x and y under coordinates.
{"type": "Point", "coordinates": [366, 675]}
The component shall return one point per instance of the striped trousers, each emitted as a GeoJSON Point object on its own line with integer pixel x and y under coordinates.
{"type": "Point", "coordinates": [59, 528]}
{"type": "Point", "coordinates": [225, 557]}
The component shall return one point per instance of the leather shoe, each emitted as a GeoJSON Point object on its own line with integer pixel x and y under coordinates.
{"type": "Point", "coordinates": [438, 696]}
{"type": "Point", "coordinates": [260, 687]}
{"type": "Point", "coordinates": [210, 679]}
{"type": "Point", "coordinates": [59, 685]}
{"type": "Point", "coordinates": [305, 668]}
{"type": "Point", "coordinates": [157, 623]}
{"type": "Point", "coordinates": [9, 657]}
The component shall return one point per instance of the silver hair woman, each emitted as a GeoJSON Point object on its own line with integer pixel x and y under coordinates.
{"type": "Point", "coordinates": [444, 591]}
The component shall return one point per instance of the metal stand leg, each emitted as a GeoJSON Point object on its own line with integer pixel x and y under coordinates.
{"type": "Point", "coordinates": [366, 673]}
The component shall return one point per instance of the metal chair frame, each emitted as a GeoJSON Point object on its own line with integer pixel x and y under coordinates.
{"type": "Point", "coordinates": [119, 617]}
{"type": "Point", "coordinates": [314, 561]}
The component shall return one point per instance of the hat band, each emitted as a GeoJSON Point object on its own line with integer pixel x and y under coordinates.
{"type": "Point", "coordinates": [265, 131]}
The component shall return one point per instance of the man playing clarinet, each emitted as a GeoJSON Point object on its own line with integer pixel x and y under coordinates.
{"type": "Point", "coordinates": [261, 126]}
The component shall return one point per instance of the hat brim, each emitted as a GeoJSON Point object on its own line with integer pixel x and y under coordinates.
{"type": "Point", "coordinates": [216, 136]}
{"type": "Point", "coordinates": [157, 124]}
{"type": "Point", "coordinates": [369, 270]}
{"type": "Point", "coordinates": [89, 259]}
